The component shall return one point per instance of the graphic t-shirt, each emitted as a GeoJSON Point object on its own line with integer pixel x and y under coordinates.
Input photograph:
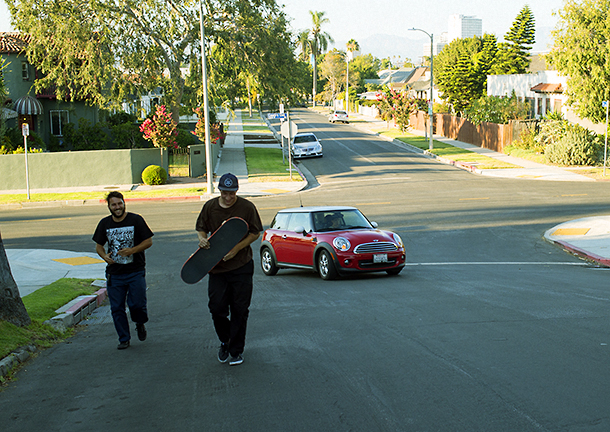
{"type": "Point", "coordinates": [128, 233]}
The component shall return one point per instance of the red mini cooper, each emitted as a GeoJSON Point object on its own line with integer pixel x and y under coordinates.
{"type": "Point", "coordinates": [331, 241]}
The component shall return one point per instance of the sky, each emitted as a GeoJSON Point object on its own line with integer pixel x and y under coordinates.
{"type": "Point", "coordinates": [361, 19]}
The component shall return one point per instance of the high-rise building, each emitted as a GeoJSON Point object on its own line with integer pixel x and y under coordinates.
{"type": "Point", "coordinates": [462, 27]}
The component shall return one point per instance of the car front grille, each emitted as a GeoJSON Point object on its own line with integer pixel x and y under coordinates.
{"type": "Point", "coordinates": [376, 247]}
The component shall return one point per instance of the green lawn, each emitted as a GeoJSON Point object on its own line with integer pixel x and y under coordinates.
{"type": "Point", "coordinates": [266, 164]}
{"type": "Point", "coordinates": [41, 306]}
{"type": "Point", "coordinates": [447, 151]}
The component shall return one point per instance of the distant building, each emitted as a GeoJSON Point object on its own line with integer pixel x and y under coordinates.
{"type": "Point", "coordinates": [463, 27]}
{"type": "Point", "coordinates": [460, 27]}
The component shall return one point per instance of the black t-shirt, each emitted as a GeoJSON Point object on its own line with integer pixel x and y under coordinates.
{"type": "Point", "coordinates": [212, 217]}
{"type": "Point", "coordinates": [128, 233]}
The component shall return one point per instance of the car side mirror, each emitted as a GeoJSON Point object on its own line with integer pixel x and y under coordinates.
{"type": "Point", "coordinates": [300, 230]}
{"type": "Point", "coordinates": [374, 224]}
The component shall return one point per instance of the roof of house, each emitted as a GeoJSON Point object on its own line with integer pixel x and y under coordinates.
{"type": "Point", "coordinates": [13, 42]}
{"type": "Point", "coordinates": [547, 88]}
{"type": "Point", "coordinates": [392, 76]}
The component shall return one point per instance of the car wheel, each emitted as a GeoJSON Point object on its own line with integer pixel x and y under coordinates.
{"type": "Point", "coordinates": [326, 266]}
{"type": "Point", "coordinates": [268, 262]}
{"type": "Point", "coordinates": [394, 271]}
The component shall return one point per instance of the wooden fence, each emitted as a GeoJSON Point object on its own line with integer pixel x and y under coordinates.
{"type": "Point", "coordinates": [491, 136]}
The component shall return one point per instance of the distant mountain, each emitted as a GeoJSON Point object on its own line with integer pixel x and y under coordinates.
{"type": "Point", "coordinates": [383, 45]}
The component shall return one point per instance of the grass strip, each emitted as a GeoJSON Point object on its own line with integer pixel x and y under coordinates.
{"type": "Point", "coordinates": [41, 306]}
{"type": "Point", "coordinates": [262, 129]}
{"type": "Point", "coordinates": [266, 164]}
{"type": "Point", "coordinates": [448, 151]}
{"type": "Point", "coordinates": [82, 196]}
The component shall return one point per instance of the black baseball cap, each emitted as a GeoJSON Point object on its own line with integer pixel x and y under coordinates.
{"type": "Point", "coordinates": [228, 182]}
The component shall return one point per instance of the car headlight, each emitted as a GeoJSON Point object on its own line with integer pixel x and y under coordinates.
{"type": "Point", "coordinates": [398, 240]}
{"type": "Point", "coordinates": [342, 244]}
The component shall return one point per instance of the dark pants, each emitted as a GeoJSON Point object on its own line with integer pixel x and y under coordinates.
{"type": "Point", "coordinates": [130, 287]}
{"type": "Point", "coordinates": [231, 292]}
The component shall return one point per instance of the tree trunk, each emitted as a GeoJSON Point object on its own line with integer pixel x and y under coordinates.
{"type": "Point", "coordinates": [11, 305]}
{"type": "Point", "coordinates": [315, 79]}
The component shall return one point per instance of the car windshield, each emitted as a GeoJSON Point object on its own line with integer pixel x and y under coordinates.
{"type": "Point", "coordinates": [334, 220]}
{"type": "Point", "coordinates": [304, 139]}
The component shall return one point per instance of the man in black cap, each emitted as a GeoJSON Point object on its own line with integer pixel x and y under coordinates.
{"type": "Point", "coordinates": [230, 282]}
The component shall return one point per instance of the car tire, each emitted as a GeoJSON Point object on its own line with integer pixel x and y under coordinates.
{"type": "Point", "coordinates": [326, 266]}
{"type": "Point", "coordinates": [394, 271]}
{"type": "Point", "coordinates": [268, 264]}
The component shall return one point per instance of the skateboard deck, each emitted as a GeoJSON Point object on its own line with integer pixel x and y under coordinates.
{"type": "Point", "coordinates": [231, 232]}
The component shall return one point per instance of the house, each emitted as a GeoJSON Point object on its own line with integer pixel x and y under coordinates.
{"type": "Point", "coordinates": [44, 113]}
{"type": "Point", "coordinates": [544, 90]}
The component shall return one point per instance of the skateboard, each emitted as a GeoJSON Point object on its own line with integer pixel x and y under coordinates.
{"type": "Point", "coordinates": [231, 232]}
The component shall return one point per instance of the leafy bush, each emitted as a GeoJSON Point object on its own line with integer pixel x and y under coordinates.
{"type": "Point", "coordinates": [527, 141]}
{"type": "Point", "coordinates": [12, 142]}
{"type": "Point", "coordinates": [186, 138]}
{"type": "Point", "coordinates": [577, 146]}
{"type": "Point", "coordinates": [120, 118]}
{"type": "Point", "coordinates": [497, 109]}
{"type": "Point", "coordinates": [127, 136]}
{"type": "Point", "coordinates": [87, 137]}
{"type": "Point", "coordinates": [154, 175]}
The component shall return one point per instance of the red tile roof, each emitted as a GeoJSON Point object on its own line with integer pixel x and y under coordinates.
{"type": "Point", "coordinates": [547, 88]}
{"type": "Point", "coordinates": [13, 42]}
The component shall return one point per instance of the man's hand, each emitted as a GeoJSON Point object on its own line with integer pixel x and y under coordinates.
{"type": "Point", "coordinates": [125, 252]}
{"type": "Point", "coordinates": [204, 243]}
{"type": "Point", "coordinates": [106, 257]}
{"type": "Point", "coordinates": [230, 255]}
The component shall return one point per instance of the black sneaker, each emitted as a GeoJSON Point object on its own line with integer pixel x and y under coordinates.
{"type": "Point", "coordinates": [223, 353]}
{"type": "Point", "coordinates": [141, 329]}
{"type": "Point", "coordinates": [236, 360]}
{"type": "Point", "coordinates": [123, 345]}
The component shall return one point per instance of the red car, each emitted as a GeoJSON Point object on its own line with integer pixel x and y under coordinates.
{"type": "Point", "coordinates": [331, 241]}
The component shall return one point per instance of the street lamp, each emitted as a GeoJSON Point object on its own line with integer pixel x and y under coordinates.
{"type": "Point", "coordinates": [347, 85]}
{"type": "Point", "coordinates": [430, 111]}
{"type": "Point", "coordinates": [206, 118]}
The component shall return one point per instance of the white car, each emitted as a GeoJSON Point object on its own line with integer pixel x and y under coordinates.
{"type": "Point", "coordinates": [306, 144]}
{"type": "Point", "coordinates": [339, 116]}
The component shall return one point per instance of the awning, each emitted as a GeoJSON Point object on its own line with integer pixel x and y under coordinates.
{"type": "Point", "coordinates": [547, 88]}
{"type": "Point", "coordinates": [28, 105]}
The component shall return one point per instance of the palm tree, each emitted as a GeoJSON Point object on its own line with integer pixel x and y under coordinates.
{"type": "Point", "coordinates": [318, 44]}
{"type": "Point", "coordinates": [304, 45]}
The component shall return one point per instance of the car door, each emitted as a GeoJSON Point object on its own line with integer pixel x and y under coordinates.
{"type": "Point", "coordinates": [297, 248]}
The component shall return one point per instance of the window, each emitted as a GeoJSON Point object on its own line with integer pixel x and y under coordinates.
{"type": "Point", "coordinates": [25, 71]}
{"type": "Point", "coordinates": [58, 120]}
{"type": "Point", "coordinates": [281, 221]}
{"type": "Point", "coordinates": [300, 219]}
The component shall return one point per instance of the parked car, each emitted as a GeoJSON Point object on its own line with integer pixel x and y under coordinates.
{"type": "Point", "coordinates": [306, 144]}
{"type": "Point", "coordinates": [339, 116]}
{"type": "Point", "coordinates": [332, 241]}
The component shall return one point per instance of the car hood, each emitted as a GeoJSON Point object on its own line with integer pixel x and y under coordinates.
{"type": "Point", "coordinates": [359, 236]}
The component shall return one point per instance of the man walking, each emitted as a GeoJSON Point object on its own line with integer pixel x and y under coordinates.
{"type": "Point", "coordinates": [128, 236]}
{"type": "Point", "coordinates": [230, 282]}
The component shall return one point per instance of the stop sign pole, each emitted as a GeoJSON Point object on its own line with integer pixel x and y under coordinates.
{"type": "Point", "coordinates": [25, 131]}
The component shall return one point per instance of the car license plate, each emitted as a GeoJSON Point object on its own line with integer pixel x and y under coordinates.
{"type": "Point", "coordinates": [380, 258]}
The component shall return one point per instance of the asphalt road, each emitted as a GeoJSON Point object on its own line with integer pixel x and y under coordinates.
{"type": "Point", "coordinates": [489, 328]}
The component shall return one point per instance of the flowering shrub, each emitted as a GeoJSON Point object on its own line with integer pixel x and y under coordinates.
{"type": "Point", "coordinates": [396, 106]}
{"type": "Point", "coordinates": [161, 129]}
{"type": "Point", "coordinates": [215, 133]}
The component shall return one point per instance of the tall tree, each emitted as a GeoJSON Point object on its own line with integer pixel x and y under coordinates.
{"type": "Point", "coordinates": [318, 41]}
{"type": "Point", "coordinates": [581, 52]}
{"type": "Point", "coordinates": [104, 52]}
{"type": "Point", "coordinates": [513, 53]}
{"type": "Point", "coordinates": [461, 69]}
{"type": "Point", "coordinates": [11, 305]}
{"type": "Point", "coordinates": [332, 69]}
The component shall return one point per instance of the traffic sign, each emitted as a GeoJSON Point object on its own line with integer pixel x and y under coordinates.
{"type": "Point", "coordinates": [276, 115]}
{"type": "Point", "coordinates": [293, 130]}
{"type": "Point", "coordinates": [605, 104]}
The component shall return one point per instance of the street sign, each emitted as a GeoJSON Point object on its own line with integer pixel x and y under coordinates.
{"type": "Point", "coordinates": [276, 115]}
{"type": "Point", "coordinates": [289, 133]}
{"type": "Point", "coordinates": [25, 129]}
{"type": "Point", "coordinates": [281, 108]}
{"type": "Point", "coordinates": [605, 104]}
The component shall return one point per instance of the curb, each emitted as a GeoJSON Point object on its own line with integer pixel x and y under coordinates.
{"type": "Point", "coordinates": [580, 252]}
{"type": "Point", "coordinates": [68, 316]}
